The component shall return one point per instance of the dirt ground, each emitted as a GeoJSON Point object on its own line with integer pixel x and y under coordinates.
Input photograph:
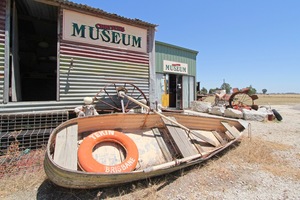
{"type": "Point", "coordinates": [265, 165]}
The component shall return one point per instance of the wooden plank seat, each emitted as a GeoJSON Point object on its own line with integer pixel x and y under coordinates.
{"type": "Point", "coordinates": [233, 132]}
{"type": "Point", "coordinates": [162, 144]}
{"type": "Point", "coordinates": [219, 137]}
{"type": "Point", "coordinates": [180, 138]}
{"type": "Point", "coordinates": [66, 147]}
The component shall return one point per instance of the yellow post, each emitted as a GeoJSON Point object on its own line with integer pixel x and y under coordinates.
{"type": "Point", "coordinates": [165, 96]}
{"type": "Point", "coordinates": [165, 100]}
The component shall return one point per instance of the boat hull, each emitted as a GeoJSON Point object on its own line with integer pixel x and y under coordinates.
{"type": "Point", "coordinates": [76, 178]}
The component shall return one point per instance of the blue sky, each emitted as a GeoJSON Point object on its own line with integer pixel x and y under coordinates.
{"type": "Point", "coordinates": [244, 42]}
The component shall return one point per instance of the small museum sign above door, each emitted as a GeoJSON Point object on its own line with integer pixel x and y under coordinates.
{"type": "Point", "coordinates": [175, 67]}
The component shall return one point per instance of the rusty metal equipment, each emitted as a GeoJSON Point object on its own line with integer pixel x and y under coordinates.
{"type": "Point", "coordinates": [240, 99]}
{"type": "Point", "coordinates": [107, 99]}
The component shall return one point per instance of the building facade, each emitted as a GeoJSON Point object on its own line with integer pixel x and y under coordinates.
{"type": "Point", "coordinates": [175, 75]}
{"type": "Point", "coordinates": [53, 53]}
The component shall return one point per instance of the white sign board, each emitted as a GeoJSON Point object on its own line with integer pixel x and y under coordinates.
{"type": "Point", "coordinates": [88, 29]}
{"type": "Point", "coordinates": [175, 67]}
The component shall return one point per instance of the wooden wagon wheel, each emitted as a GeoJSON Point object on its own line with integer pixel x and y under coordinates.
{"type": "Point", "coordinates": [107, 98]}
{"type": "Point", "coordinates": [242, 100]}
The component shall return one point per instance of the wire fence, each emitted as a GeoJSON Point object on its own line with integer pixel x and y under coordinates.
{"type": "Point", "coordinates": [23, 139]}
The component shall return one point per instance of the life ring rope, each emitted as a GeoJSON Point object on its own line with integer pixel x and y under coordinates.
{"type": "Point", "coordinates": [89, 164]}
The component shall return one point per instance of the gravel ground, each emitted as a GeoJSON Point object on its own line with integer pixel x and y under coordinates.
{"type": "Point", "coordinates": [264, 166]}
{"type": "Point", "coordinates": [251, 180]}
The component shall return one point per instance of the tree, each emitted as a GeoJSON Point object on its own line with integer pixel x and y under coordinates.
{"type": "Point", "coordinates": [203, 90]}
{"type": "Point", "coordinates": [226, 87]}
{"type": "Point", "coordinates": [251, 90]}
{"type": "Point", "coordinates": [264, 91]}
{"type": "Point", "coordinates": [213, 91]}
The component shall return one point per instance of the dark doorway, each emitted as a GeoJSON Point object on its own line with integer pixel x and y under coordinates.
{"type": "Point", "coordinates": [175, 91]}
{"type": "Point", "coordinates": [172, 90]}
{"type": "Point", "coordinates": [35, 33]}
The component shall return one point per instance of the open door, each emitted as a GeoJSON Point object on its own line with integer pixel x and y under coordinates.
{"type": "Point", "coordinates": [175, 91]}
{"type": "Point", "coordinates": [179, 92]}
{"type": "Point", "coordinates": [15, 85]}
{"type": "Point", "coordinates": [33, 74]}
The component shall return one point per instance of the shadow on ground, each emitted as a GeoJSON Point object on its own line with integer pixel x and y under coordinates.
{"type": "Point", "coordinates": [49, 190]}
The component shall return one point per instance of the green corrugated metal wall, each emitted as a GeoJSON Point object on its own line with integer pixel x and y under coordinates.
{"type": "Point", "coordinates": [170, 52]}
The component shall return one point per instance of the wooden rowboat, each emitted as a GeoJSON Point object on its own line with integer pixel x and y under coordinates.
{"type": "Point", "coordinates": [158, 147]}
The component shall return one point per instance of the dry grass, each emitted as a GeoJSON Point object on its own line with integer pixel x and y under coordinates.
{"type": "Point", "coordinates": [21, 182]}
{"type": "Point", "coordinates": [278, 99]}
{"type": "Point", "coordinates": [219, 172]}
{"type": "Point", "coordinates": [270, 99]}
{"type": "Point", "coordinates": [148, 193]}
{"type": "Point", "coordinates": [21, 171]}
{"type": "Point", "coordinates": [259, 153]}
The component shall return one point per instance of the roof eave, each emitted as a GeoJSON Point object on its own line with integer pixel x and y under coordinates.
{"type": "Point", "coordinates": [84, 7]}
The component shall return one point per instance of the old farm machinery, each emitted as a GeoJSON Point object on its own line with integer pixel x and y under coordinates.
{"type": "Point", "coordinates": [239, 99]}
{"type": "Point", "coordinates": [107, 99]}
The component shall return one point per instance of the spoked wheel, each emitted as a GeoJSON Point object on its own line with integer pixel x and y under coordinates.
{"type": "Point", "coordinates": [242, 100]}
{"type": "Point", "coordinates": [108, 100]}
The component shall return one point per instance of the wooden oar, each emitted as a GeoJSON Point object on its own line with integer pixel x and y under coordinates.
{"type": "Point", "coordinates": [172, 163]}
{"type": "Point", "coordinates": [202, 137]}
{"type": "Point", "coordinates": [180, 161]}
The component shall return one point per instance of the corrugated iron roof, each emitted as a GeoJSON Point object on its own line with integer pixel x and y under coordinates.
{"type": "Point", "coordinates": [91, 9]}
{"type": "Point", "coordinates": [177, 47]}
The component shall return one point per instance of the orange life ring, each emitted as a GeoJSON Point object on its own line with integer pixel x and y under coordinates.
{"type": "Point", "coordinates": [89, 164]}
